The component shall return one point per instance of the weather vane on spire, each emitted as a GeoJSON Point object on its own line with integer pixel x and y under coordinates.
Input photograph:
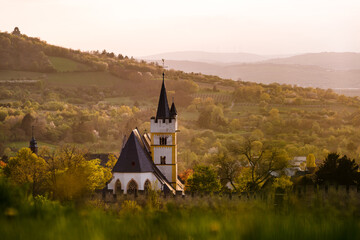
{"type": "Point", "coordinates": [163, 65]}
{"type": "Point", "coordinates": [32, 131]}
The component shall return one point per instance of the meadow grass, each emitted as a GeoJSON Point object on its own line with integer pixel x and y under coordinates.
{"type": "Point", "coordinates": [210, 217]}
{"type": "Point", "coordinates": [74, 79]}
{"type": "Point", "coordinates": [67, 65]}
{"type": "Point", "coordinates": [8, 75]}
{"type": "Point", "coordinates": [66, 79]}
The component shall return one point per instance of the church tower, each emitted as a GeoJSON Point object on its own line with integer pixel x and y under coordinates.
{"type": "Point", "coordinates": [163, 130]}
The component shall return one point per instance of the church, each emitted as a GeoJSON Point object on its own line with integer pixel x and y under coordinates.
{"type": "Point", "coordinates": [149, 160]}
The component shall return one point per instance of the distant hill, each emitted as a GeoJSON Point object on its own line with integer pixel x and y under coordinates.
{"type": "Point", "coordinates": [330, 60]}
{"type": "Point", "coordinates": [209, 57]}
{"type": "Point", "coordinates": [302, 75]}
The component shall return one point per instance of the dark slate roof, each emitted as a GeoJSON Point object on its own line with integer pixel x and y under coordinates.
{"type": "Point", "coordinates": [173, 111]}
{"type": "Point", "coordinates": [163, 111]}
{"type": "Point", "coordinates": [133, 157]}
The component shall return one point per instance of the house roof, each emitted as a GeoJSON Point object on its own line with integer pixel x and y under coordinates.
{"type": "Point", "coordinates": [163, 110]}
{"type": "Point", "coordinates": [133, 157]}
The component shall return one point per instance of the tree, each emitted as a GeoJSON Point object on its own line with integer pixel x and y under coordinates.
{"type": "Point", "coordinates": [336, 170]}
{"type": "Point", "coordinates": [65, 175]}
{"type": "Point", "coordinates": [73, 176]}
{"type": "Point", "coordinates": [262, 161]}
{"type": "Point", "coordinates": [204, 179]}
{"type": "Point", "coordinates": [228, 169]}
{"type": "Point", "coordinates": [27, 168]}
{"type": "Point", "coordinates": [310, 161]}
{"type": "Point", "coordinates": [26, 123]}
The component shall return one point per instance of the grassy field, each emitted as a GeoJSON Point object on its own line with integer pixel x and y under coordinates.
{"type": "Point", "coordinates": [66, 79]}
{"type": "Point", "coordinates": [74, 79]}
{"type": "Point", "coordinates": [189, 116]}
{"type": "Point", "coordinates": [219, 97]}
{"type": "Point", "coordinates": [67, 65]}
{"type": "Point", "coordinates": [14, 75]}
{"type": "Point", "coordinates": [198, 218]}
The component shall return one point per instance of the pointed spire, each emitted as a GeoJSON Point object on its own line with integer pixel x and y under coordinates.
{"type": "Point", "coordinates": [33, 144]}
{"type": "Point", "coordinates": [173, 111]}
{"type": "Point", "coordinates": [163, 111]}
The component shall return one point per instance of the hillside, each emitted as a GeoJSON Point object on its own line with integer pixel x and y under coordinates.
{"type": "Point", "coordinates": [329, 60]}
{"type": "Point", "coordinates": [94, 98]}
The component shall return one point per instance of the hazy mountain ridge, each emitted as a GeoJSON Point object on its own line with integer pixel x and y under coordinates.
{"type": "Point", "coordinates": [330, 60]}
{"type": "Point", "coordinates": [325, 70]}
{"type": "Point", "coordinates": [209, 57]}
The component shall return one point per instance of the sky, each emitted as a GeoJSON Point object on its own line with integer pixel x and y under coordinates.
{"type": "Point", "coordinates": [144, 27]}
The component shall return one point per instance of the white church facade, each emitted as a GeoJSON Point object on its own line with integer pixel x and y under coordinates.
{"type": "Point", "coordinates": [150, 160]}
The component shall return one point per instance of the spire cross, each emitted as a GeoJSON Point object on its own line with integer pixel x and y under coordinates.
{"type": "Point", "coordinates": [163, 64]}
{"type": "Point", "coordinates": [32, 131]}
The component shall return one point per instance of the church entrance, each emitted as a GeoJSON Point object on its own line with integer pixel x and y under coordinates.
{"type": "Point", "coordinates": [118, 187]}
{"type": "Point", "coordinates": [147, 186]}
{"type": "Point", "coordinates": [132, 187]}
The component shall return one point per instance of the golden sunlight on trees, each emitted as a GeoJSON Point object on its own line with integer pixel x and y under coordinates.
{"type": "Point", "coordinates": [26, 168]}
{"type": "Point", "coordinates": [283, 183]}
{"type": "Point", "coordinates": [64, 174]}
{"type": "Point", "coordinates": [73, 176]}
{"type": "Point", "coordinates": [310, 161]}
{"type": "Point", "coordinates": [203, 180]}
{"type": "Point", "coordinates": [262, 161]}
{"type": "Point", "coordinates": [228, 168]}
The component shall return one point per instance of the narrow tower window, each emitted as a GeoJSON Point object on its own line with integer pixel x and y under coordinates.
{"type": "Point", "coordinates": [163, 140]}
{"type": "Point", "coordinates": [162, 160]}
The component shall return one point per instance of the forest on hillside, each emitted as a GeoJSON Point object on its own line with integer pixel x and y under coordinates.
{"type": "Point", "coordinates": [92, 100]}
{"type": "Point", "coordinates": [235, 143]}
{"type": "Point", "coordinates": [66, 106]}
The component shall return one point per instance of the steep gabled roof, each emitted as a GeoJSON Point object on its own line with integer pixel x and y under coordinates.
{"type": "Point", "coordinates": [133, 157]}
{"type": "Point", "coordinates": [163, 111]}
{"type": "Point", "coordinates": [173, 111]}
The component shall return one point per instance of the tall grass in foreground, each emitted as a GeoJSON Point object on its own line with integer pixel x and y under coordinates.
{"type": "Point", "coordinates": [210, 217]}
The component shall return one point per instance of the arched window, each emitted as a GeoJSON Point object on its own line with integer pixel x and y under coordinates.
{"type": "Point", "coordinates": [147, 186]}
{"type": "Point", "coordinates": [162, 159]}
{"type": "Point", "coordinates": [118, 187]}
{"type": "Point", "coordinates": [132, 187]}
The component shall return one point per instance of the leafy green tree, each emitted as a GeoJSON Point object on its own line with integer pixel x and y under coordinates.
{"type": "Point", "coordinates": [228, 168]}
{"type": "Point", "coordinates": [26, 123]}
{"type": "Point", "coordinates": [204, 179]}
{"type": "Point", "coordinates": [73, 176]}
{"type": "Point", "coordinates": [283, 183]}
{"type": "Point", "coordinates": [310, 161]}
{"type": "Point", "coordinates": [3, 115]}
{"type": "Point", "coordinates": [27, 168]}
{"type": "Point", "coordinates": [262, 161]}
{"type": "Point", "coordinates": [338, 170]}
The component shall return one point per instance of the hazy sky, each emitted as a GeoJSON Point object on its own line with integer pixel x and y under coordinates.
{"type": "Point", "coordinates": [143, 27]}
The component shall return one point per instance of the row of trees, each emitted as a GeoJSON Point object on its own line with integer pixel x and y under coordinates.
{"type": "Point", "coordinates": [266, 171]}
{"type": "Point", "coordinates": [63, 174]}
